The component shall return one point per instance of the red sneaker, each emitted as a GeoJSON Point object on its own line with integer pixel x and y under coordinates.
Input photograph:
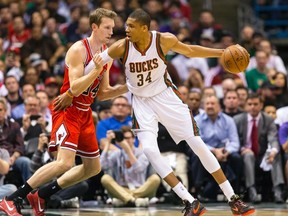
{"type": "Point", "coordinates": [11, 208]}
{"type": "Point", "coordinates": [37, 203]}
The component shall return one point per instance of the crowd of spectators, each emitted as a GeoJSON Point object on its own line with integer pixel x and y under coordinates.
{"type": "Point", "coordinates": [229, 108]}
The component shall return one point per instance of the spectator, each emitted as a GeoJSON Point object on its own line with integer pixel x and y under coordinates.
{"type": "Point", "coordinates": [194, 101]}
{"type": "Point", "coordinates": [183, 92]}
{"type": "Point", "coordinates": [283, 139]}
{"type": "Point", "coordinates": [259, 142]}
{"type": "Point", "coordinates": [120, 111]}
{"type": "Point", "coordinates": [33, 122]}
{"type": "Point", "coordinates": [13, 97]}
{"type": "Point", "coordinates": [282, 116]}
{"type": "Point", "coordinates": [5, 189]}
{"type": "Point", "coordinates": [18, 111]}
{"type": "Point", "coordinates": [206, 24]}
{"type": "Point", "coordinates": [103, 109]}
{"type": "Point", "coordinates": [281, 90]}
{"type": "Point", "coordinates": [270, 110]}
{"type": "Point", "coordinates": [52, 89]}
{"type": "Point", "coordinates": [83, 30]}
{"type": "Point", "coordinates": [42, 44]}
{"type": "Point", "coordinates": [219, 132]}
{"type": "Point", "coordinates": [66, 198]}
{"type": "Point", "coordinates": [44, 109]}
{"type": "Point", "coordinates": [231, 103]}
{"type": "Point", "coordinates": [243, 95]}
{"type": "Point", "coordinates": [246, 37]}
{"type": "Point", "coordinates": [195, 79]}
{"type": "Point", "coordinates": [20, 34]}
{"type": "Point", "coordinates": [257, 75]}
{"type": "Point", "coordinates": [31, 76]}
{"type": "Point", "coordinates": [12, 141]}
{"type": "Point", "coordinates": [12, 63]}
{"type": "Point", "coordinates": [274, 61]}
{"type": "Point", "coordinates": [129, 182]}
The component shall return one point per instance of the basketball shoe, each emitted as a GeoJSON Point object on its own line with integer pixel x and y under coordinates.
{"type": "Point", "coordinates": [238, 207]}
{"type": "Point", "coordinates": [193, 209]}
{"type": "Point", "coordinates": [37, 203]}
{"type": "Point", "coordinates": [13, 207]}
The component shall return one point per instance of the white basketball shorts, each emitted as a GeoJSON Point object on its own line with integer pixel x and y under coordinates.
{"type": "Point", "coordinates": [166, 108]}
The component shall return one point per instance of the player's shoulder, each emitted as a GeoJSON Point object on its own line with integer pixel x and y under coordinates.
{"type": "Point", "coordinates": [76, 48]}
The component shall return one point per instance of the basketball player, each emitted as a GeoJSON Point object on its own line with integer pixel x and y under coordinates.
{"type": "Point", "coordinates": [73, 129]}
{"type": "Point", "coordinates": [155, 99]}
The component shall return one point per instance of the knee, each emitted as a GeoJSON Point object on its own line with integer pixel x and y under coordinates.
{"type": "Point", "coordinates": [96, 171]}
{"type": "Point", "coordinates": [63, 166]}
{"type": "Point", "coordinates": [156, 179]}
{"type": "Point", "coordinates": [105, 179]}
{"type": "Point", "coordinates": [248, 156]}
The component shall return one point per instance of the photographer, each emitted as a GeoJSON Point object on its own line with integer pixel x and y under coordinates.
{"type": "Point", "coordinates": [32, 123]}
{"type": "Point", "coordinates": [66, 198]}
{"type": "Point", "coordinates": [129, 184]}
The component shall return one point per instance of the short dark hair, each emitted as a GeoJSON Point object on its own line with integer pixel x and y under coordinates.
{"type": "Point", "coordinates": [141, 17]}
{"type": "Point", "coordinates": [254, 96]}
{"type": "Point", "coordinates": [230, 90]}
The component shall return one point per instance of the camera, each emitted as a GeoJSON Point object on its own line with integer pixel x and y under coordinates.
{"type": "Point", "coordinates": [118, 136]}
{"type": "Point", "coordinates": [34, 117]}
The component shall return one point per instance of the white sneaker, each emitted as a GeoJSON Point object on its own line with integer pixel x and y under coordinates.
{"type": "Point", "coordinates": [142, 202]}
{"type": "Point", "coordinates": [117, 202]}
{"type": "Point", "coordinates": [70, 203]}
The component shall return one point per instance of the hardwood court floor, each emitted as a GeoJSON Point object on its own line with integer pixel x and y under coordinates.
{"type": "Point", "coordinates": [264, 209]}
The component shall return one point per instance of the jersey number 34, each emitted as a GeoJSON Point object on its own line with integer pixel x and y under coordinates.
{"type": "Point", "coordinates": [142, 79]}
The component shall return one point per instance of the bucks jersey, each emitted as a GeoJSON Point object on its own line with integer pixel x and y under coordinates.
{"type": "Point", "coordinates": [146, 70]}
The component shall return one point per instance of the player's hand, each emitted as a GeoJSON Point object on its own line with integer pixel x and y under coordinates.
{"type": "Point", "coordinates": [98, 61]}
{"type": "Point", "coordinates": [62, 102]}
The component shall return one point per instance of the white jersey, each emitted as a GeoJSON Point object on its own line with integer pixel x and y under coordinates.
{"type": "Point", "coordinates": [145, 71]}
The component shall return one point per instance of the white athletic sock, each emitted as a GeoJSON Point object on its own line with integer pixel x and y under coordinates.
{"type": "Point", "coordinates": [183, 193]}
{"type": "Point", "coordinates": [227, 189]}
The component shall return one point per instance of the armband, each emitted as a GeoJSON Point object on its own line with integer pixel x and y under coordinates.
{"type": "Point", "coordinates": [105, 58]}
{"type": "Point", "coordinates": [69, 93]}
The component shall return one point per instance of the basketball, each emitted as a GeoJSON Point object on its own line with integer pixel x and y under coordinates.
{"type": "Point", "coordinates": [235, 59]}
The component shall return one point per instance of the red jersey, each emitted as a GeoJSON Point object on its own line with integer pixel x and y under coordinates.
{"type": "Point", "coordinates": [84, 100]}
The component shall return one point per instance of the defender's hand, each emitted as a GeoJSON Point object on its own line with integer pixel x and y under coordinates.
{"type": "Point", "coordinates": [62, 102]}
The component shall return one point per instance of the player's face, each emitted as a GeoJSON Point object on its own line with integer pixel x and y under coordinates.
{"type": "Point", "coordinates": [105, 30]}
{"type": "Point", "coordinates": [134, 30]}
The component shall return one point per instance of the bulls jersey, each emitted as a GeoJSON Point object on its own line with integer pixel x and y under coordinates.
{"type": "Point", "coordinates": [84, 100]}
{"type": "Point", "coordinates": [146, 71]}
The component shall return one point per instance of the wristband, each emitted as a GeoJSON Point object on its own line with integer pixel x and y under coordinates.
{"type": "Point", "coordinates": [69, 93]}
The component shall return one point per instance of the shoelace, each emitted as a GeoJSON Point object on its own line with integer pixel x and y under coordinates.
{"type": "Point", "coordinates": [240, 203]}
{"type": "Point", "coordinates": [18, 202]}
{"type": "Point", "coordinates": [187, 207]}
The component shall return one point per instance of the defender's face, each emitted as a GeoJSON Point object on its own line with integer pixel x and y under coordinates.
{"type": "Point", "coordinates": [105, 30]}
{"type": "Point", "coordinates": [133, 30]}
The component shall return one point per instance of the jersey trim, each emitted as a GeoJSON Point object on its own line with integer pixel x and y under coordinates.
{"type": "Point", "coordinates": [158, 47]}
{"type": "Point", "coordinates": [172, 86]}
{"type": "Point", "coordinates": [143, 53]}
{"type": "Point", "coordinates": [88, 50]}
{"type": "Point", "coordinates": [126, 51]}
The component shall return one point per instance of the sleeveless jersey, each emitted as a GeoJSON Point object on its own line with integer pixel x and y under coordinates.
{"type": "Point", "coordinates": [84, 100]}
{"type": "Point", "coordinates": [146, 73]}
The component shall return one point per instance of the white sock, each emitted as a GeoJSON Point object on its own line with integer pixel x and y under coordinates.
{"type": "Point", "coordinates": [183, 193]}
{"type": "Point", "coordinates": [227, 189]}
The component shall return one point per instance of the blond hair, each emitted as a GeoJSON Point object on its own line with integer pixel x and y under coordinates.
{"type": "Point", "coordinates": [97, 15]}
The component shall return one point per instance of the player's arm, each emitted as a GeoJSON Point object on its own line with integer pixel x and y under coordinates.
{"type": "Point", "coordinates": [79, 82]}
{"type": "Point", "coordinates": [169, 41]}
{"type": "Point", "coordinates": [106, 91]}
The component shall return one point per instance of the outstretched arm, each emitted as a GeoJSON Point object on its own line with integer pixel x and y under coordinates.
{"type": "Point", "coordinates": [169, 41]}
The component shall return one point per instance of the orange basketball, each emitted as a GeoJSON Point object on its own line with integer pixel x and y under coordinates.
{"type": "Point", "coordinates": [235, 59]}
